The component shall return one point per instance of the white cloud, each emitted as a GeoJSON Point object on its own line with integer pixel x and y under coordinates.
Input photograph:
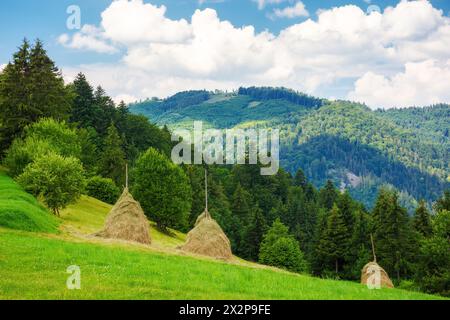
{"type": "Point", "coordinates": [263, 3]}
{"type": "Point", "coordinates": [298, 10]}
{"type": "Point", "coordinates": [89, 38]}
{"type": "Point", "coordinates": [324, 57]}
{"type": "Point", "coordinates": [420, 84]}
{"type": "Point", "coordinates": [2, 66]}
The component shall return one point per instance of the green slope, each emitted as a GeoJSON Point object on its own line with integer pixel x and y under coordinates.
{"type": "Point", "coordinates": [407, 149]}
{"type": "Point", "coordinates": [33, 266]}
{"type": "Point", "coordinates": [20, 210]}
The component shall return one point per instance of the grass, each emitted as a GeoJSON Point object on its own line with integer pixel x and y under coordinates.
{"type": "Point", "coordinates": [33, 266]}
{"type": "Point", "coordinates": [21, 211]}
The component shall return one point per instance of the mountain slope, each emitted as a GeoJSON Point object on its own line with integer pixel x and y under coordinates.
{"type": "Point", "coordinates": [123, 270]}
{"type": "Point", "coordinates": [407, 149]}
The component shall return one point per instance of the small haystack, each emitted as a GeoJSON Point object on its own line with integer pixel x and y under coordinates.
{"type": "Point", "coordinates": [207, 238]}
{"type": "Point", "coordinates": [372, 270]}
{"type": "Point", "coordinates": [126, 221]}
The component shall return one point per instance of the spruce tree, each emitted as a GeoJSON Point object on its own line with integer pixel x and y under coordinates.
{"type": "Point", "coordinates": [396, 247]}
{"type": "Point", "coordinates": [334, 244]}
{"type": "Point", "coordinates": [240, 204]}
{"type": "Point", "coordinates": [31, 87]}
{"type": "Point", "coordinates": [328, 195]}
{"type": "Point", "coordinates": [84, 110]}
{"type": "Point", "coordinates": [112, 162]}
{"type": "Point", "coordinates": [422, 220]}
{"type": "Point", "coordinates": [253, 235]}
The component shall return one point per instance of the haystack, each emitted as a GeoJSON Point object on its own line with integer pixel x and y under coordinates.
{"type": "Point", "coordinates": [126, 221]}
{"type": "Point", "coordinates": [371, 269]}
{"type": "Point", "coordinates": [207, 238]}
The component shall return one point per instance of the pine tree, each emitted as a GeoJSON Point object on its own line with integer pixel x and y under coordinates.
{"type": "Point", "coordinates": [84, 110]}
{"type": "Point", "coordinates": [253, 235]}
{"type": "Point", "coordinates": [334, 244]}
{"type": "Point", "coordinates": [48, 93]}
{"type": "Point", "coordinates": [112, 162]}
{"type": "Point", "coordinates": [240, 204]}
{"type": "Point", "coordinates": [443, 203]}
{"type": "Point", "coordinates": [328, 195]}
{"type": "Point", "coordinates": [395, 244]}
{"type": "Point", "coordinates": [15, 111]}
{"type": "Point", "coordinates": [422, 220]}
{"type": "Point", "coordinates": [31, 88]}
{"type": "Point", "coordinates": [300, 179]}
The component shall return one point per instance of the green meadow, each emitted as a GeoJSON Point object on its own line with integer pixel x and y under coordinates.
{"type": "Point", "coordinates": [34, 260]}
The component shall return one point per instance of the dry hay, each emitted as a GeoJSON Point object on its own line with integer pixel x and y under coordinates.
{"type": "Point", "coordinates": [126, 221]}
{"type": "Point", "coordinates": [370, 269]}
{"type": "Point", "coordinates": [208, 239]}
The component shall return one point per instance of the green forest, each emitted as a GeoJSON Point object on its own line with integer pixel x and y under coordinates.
{"type": "Point", "coordinates": [360, 150]}
{"type": "Point", "coordinates": [61, 141]}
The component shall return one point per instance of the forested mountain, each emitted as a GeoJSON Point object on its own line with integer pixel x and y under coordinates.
{"type": "Point", "coordinates": [359, 149]}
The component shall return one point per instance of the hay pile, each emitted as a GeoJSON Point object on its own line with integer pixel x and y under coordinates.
{"type": "Point", "coordinates": [208, 239]}
{"type": "Point", "coordinates": [370, 269]}
{"type": "Point", "coordinates": [126, 221]}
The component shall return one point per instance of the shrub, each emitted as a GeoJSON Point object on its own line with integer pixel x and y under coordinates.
{"type": "Point", "coordinates": [103, 189]}
{"type": "Point", "coordinates": [59, 180]}
{"type": "Point", "coordinates": [280, 249]}
{"type": "Point", "coordinates": [163, 190]}
{"type": "Point", "coordinates": [47, 135]}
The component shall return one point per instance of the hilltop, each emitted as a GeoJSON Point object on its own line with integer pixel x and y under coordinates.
{"type": "Point", "coordinates": [359, 149]}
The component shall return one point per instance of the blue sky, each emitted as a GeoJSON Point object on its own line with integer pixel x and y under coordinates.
{"type": "Point", "coordinates": [46, 19]}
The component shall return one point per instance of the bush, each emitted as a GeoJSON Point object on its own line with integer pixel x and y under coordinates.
{"type": "Point", "coordinates": [280, 249]}
{"type": "Point", "coordinates": [42, 137]}
{"type": "Point", "coordinates": [59, 180]}
{"type": "Point", "coordinates": [22, 153]}
{"type": "Point", "coordinates": [163, 190]}
{"type": "Point", "coordinates": [103, 189]}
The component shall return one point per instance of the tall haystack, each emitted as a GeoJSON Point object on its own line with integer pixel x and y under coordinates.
{"type": "Point", "coordinates": [207, 238]}
{"type": "Point", "coordinates": [372, 274]}
{"type": "Point", "coordinates": [126, 220]}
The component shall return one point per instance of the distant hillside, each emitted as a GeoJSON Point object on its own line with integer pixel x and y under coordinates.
{"type": "Point", "coordinates": [359, 149]}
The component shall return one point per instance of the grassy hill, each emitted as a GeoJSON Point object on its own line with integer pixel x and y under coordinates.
{"type": "Point", "coordinates": [20, 210]}
{"type": "Point", "coordinates": [33, 266]}
{"type": "Point", "coordinates": [407, 149]}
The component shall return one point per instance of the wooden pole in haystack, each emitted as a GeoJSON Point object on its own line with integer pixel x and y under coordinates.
{"type": "Point", "coordinates": [373, 249]}
{"type": "Point", "coordinates": [126, 176]}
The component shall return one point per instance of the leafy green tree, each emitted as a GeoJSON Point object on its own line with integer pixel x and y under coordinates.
{"type": "Point", "coordinates": [163, 190]}
{"type": "Point", "coordinates": [103, 189]}
{"type": "Point", "coordinates": [334, 244]}
{"type": "Point", "coordinates": [280, 249]}
{"type": "Point", "coordinates": [59, 180]}
{"type": "Point", "coordinates": [112, 161]}
{"type": "Point", "coordinates": [46, 135]}
{"type": "Point", "coordinates": [422, 220]}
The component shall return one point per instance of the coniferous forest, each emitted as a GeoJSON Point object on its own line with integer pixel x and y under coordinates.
{"type": "Point", "coordinates": [309, 218]}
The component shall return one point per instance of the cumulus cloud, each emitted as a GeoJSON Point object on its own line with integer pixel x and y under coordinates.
{"type": "Point", "coordinates": [422, 83]}
{"type": "Point", "coordinates": [297, 10]}
{"type": "Point", "coordinates": [339, 52]}
{"type": "Point", "coordinates": [89, 38]}
{"type": "Point", "coordinates": [2, 66]}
